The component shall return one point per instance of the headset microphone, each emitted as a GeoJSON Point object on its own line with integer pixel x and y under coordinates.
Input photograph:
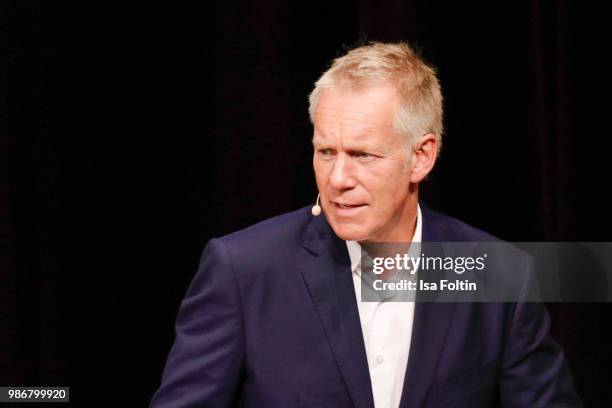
{"type": "Point", "coordinates": [316, 209]}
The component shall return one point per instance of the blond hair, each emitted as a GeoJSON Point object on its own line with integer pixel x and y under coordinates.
{"type": "Point", "coordinates": [420, 110]}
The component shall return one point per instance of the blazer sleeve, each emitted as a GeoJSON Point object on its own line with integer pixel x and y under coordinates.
{"type": "Point", "coordinates": [204, 367]}
{"type": "Point", "coordinates": [535, 372]}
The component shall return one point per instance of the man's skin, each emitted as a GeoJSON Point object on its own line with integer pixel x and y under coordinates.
{"type": "Point", "coordinates": [362, 161]}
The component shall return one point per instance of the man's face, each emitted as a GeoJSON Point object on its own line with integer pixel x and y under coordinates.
{"type": "Point", "coordinates": [360, 165]}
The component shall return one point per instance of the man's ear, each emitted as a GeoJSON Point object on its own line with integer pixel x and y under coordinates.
{"type": "Point", "coordinates": [423, 157]}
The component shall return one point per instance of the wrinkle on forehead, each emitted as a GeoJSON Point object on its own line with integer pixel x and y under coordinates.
{"type": "Point", "coordinates": [357, 114]}
{"type": "Point", "coordinates": [359, 122]}
{"type": "Point", "coordinates": [369, 105]}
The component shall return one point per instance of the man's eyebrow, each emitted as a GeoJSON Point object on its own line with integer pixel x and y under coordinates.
{"type": "Point", "coordinates": [319, 139]}
{"type": "Point", "coordinates": [357, 146]}
{"type": "Point", "coordinates": [316, 139]}
{"type": "Point", "coordinates": [368, 147]}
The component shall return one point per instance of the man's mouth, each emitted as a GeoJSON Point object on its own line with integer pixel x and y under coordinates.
{"type": "Point", "coordinates": [348, 205]}
{"type": "Point", "coordinates": [347, 209]}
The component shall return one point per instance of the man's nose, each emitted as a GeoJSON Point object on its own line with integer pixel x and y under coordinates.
{"type": "Point", "coordinates": [342, 177]}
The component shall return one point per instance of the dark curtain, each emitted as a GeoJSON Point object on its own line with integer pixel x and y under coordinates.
{"type": "Point", "coordinates": [132, 133]}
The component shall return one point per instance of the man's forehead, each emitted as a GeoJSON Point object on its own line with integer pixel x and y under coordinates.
{"type": "Point", "coordinates": [359, 123]}
{"type": "Point", "coordinates": [362, 108]}
{"type": "Point", "coordinates": [372, 90]}
{"type": "Point", "coordinates": [380, 138]}
{"type": "Point", "coordinates": [363, 134]}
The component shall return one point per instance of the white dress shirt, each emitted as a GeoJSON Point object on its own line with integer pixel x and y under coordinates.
{"type": "Point", "coordinates": [387, 331]}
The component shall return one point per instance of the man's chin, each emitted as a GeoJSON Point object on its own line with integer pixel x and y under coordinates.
{"type": "Point", "coordinates": [349, 232]}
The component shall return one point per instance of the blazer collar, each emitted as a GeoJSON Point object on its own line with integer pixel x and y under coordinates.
{"type": "Point", "coordinates": [325, 267]}
{"type": "Point", "coordinates": [431, 327]}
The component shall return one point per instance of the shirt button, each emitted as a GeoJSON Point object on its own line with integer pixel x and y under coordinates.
{"type": "Point", "coordinates": [380, 359]}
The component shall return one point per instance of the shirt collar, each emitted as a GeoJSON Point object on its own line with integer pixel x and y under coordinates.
{"type": "Point", "coordinates": [354, 249]}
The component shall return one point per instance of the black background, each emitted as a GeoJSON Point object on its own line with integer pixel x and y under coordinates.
{"type": "Point", "coordinates": [132, 133]}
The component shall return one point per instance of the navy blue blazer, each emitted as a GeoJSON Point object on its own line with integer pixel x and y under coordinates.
{"type": "Point", "coordinates": [271, 320]}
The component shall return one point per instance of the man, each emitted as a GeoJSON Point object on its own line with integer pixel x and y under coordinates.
{"type": "Point", "coordinates": [274, 316]}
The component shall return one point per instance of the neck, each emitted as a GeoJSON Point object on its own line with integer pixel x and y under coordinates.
{"type": "Point", "coordinates": [404, 224]}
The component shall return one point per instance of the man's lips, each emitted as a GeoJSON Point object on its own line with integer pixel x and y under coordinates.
{"type": "Point", "coordinates": [345, 205]}
{"type": "Point", "coordinates": [346, 208]}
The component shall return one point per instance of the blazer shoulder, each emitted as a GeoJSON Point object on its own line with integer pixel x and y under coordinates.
{"type": "Point", "coordinates": [272, 233]}
{"type": "Point", "coordinates": [446, 228]}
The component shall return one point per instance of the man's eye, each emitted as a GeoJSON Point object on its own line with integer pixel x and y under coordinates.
{"type": "Point", "coordinates": [362, 155]}
{"type": "Point", "coordinates": [325, 152]}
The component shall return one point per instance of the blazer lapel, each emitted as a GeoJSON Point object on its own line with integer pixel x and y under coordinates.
{"type": "Point", "coordinates": [325, 266]}
{"type": "Point", "coordinates": [430, 329]}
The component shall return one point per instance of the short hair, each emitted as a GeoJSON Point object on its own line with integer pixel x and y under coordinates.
{"type": "Point", "coordinates": [420, 111]}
